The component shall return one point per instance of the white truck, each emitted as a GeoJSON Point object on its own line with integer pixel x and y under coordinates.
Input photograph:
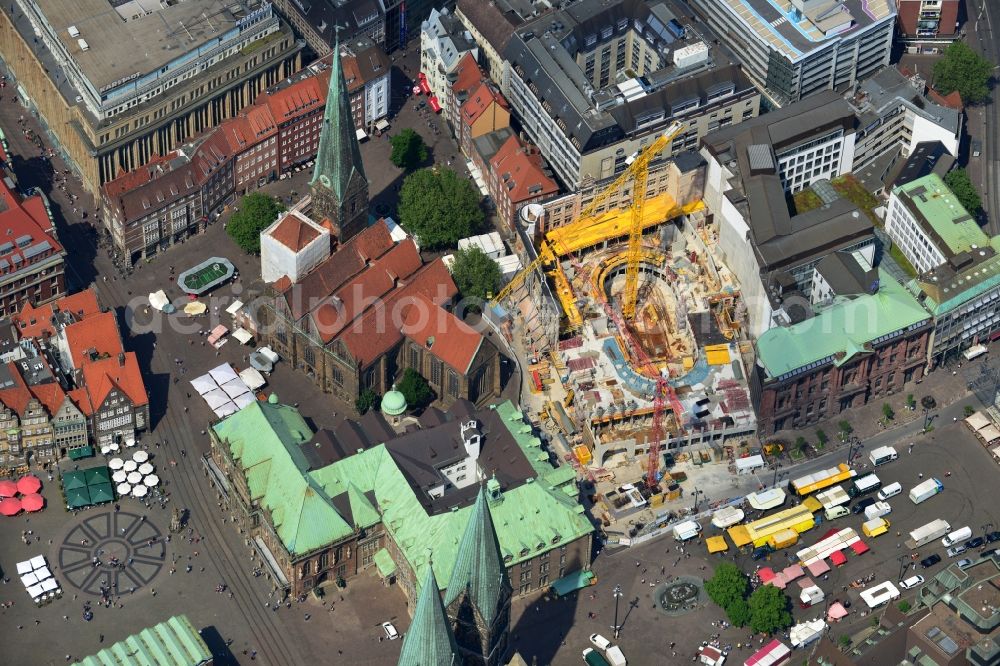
{"type": "Point", "coordinates": [882, 455]}
{"type": "Point", "coordinates": [927, 533]}
{"type": "Point", "coordinates": [877, 510]}
{"type": "Point", "coordinates": [686, 530]}
{"type": "Point", "coordinates": [880, 594]}
{"type": "Point", "coordinates": [926, 490]}
{"type": "Point", "coordinates": [615, 656]}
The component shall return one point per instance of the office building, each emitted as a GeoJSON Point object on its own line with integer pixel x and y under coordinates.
{"type": "Point", "coordinates": [492, 24]}
{"type": "Point", "coordinates": [794, 49]}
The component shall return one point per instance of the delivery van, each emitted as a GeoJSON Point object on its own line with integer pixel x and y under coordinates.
{"type": "Point", "coordinates": [890, 490]}
{"type": "Point", "coordinates": [836, 512]}
{"type": "Point", "coordinates": [958, 536]}
{"type": "Point", "coordinates": [875, 527]}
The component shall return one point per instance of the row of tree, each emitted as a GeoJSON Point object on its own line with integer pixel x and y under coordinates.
{"type": "Point", "coordinates": [766, 610]}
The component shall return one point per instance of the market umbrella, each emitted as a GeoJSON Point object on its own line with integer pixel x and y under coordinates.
{"type": "Point", "coordinates": [151, 480]}
{"type": "Point", "coordinates": [78, 497]}
{"type": "Point", "coordinates": [10, 506]}
{"type": "Point", "coordinates": [96, 475]}
{"type": "Point", "coordinates": [116, 463]}
{"type": "Point", "coordinates": [140, 456]}
{"type": "Point", "coordinates": [124, 489]}
{"type": "Point", "coordinates": [119, 476]}
{"type": "Point", "coordinates": [33, 502]}
{"type": "Point", "coordinates": [8, 488]}
{"type": "Point", "coordinates": [195, 307]}
{"type": "Point", "coordinates": [134, 478]}
{"type": "Point", "coordinates": [103, 492]}
{"type": "Point", "coordinates": [105, 450]}
{"type": "Point", "coordinates": [145, 468]}
{"type": "Point", "coordinates": [139, 491]}
{"type": "Point", "coordinates": [114, 446]}
{"type": "Point", "coordinates": [130, 466]}
{"type": "Point", "coordinates": [28, 484]}
{"type": "Point", "coordinates": [74, 480]}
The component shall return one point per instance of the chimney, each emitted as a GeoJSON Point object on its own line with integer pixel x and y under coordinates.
{"type": "Point", "coordinates": [121, 360]}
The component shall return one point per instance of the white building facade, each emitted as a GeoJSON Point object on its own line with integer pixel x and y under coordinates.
{"type": "Point", "coordinates": [909, 235]}
{"type": "Point", "coordinates": [291, 247]}
{"type": "Point", "coordinates": [443, 43]}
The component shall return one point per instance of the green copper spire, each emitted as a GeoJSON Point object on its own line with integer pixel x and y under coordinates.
{"type": "Point", "coordinates": [429, 641]}
{"type": "Point", "coordinates": [338, 159]}
{"type": "Point", "coordinates": [479, 571]}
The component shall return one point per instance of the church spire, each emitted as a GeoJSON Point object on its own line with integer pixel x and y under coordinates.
{"type": "Point", "coordinates": [429, 641]}
{"type": "Point", "coordinates": [339, 186]}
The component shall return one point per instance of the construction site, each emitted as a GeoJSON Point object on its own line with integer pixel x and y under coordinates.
{"type": "Point", "coordinates": [632, 333]}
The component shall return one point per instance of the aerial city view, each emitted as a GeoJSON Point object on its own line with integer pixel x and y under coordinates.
{"type": "Point", "coordinates": [488, 332]}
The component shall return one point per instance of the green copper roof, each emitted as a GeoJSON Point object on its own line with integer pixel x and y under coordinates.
{"type": "Point", "coordinates": [841, 331]}
{"type": "Point", "coordinates": [429, 641]}
{"type": "Point", "coordinates": [479, 570]}
{"type": "Point", "coordinates": [383, 562]}
{"type": "Point", "coordinates": [172, 643]}
{"type": "Point", "coordinates": [393, 403]}
{"type": "Point", "coordinates": [339, 156]}
{"type": "Point", "coordinates": [944, 295]}
{"type": "Point", "coordinates": [362, 511]}
{"type": "Point", "coordinates": [942, 210]}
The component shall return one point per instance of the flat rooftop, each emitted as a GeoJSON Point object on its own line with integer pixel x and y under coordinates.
{"type": "Point", "coordinates": [939, 212]}
{"type": "Point", "coordinates": [795, 34]}
{"type": "Point", "coordinates": [118, 48]}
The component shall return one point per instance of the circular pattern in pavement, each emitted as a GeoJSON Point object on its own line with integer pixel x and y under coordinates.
{"type": "Point", "coordinates": [115, 550]}
{"type": "Point", "coordinates": [679, 596]}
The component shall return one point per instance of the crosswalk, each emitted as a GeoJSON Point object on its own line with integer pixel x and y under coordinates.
{"type": "Point", "coordinates": [778, 21]}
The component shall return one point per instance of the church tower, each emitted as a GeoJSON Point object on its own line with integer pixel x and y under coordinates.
{"type": "Point", "coordinates": [429, 641]}
{"type": "Point", "coordinates": [478, 598]}
{"type": "Point", "coordinates": [339, 188]}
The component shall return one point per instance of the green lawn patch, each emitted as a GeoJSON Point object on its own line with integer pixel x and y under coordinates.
{"type": "Point", "coordinates": [903, 262]}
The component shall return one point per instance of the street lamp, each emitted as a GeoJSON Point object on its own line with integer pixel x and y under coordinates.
{"type": "Point", "coordinates": [902, 565]}
{"type": "Point", "coordinates": [696, 493]}
{"type": "Point", "coordinates": [850, 447]}
{"type": "Point", "coordinates": [927, 419]}
{"type": "Point", "coordinates": [774, 481]}
{"type": "Point", "coordinates": [618, 595]}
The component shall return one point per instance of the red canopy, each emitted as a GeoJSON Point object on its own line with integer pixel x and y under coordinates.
{"type": "Point", "coordinates": [32, 502]}
{"type": "Point", "coordinates": [836, 611]}
{"type": "Point", "coordinates": [8, 488]}
{"type": "Point", "coordinates": [424, 87]}
{"type": "Point", "coordinates": [859, 547]}
{"type": "Point", "coordinates": [837, 558]}
{"type": "Point", "coordinates": [435, 105]}
{"type": "Point", "coordinates": [818, 568]}
{"type": "Point", "coordinates": [28, 484]}
{"type": "Point", "coordinates": [10, 507]}
{"type": "Point", "coordinates": [792, 572]}
{"type": "Point", "coordinates": [765, 574]}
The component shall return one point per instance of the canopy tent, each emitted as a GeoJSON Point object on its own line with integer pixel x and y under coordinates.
{"type": "Point", "coordinates": [8, 488]}
{"type": "Point", "coordinates": [145, 468]}
{"type": "Point", "coordinates": [77, 498]}
{"type": "Point", "coordinates": [765, 574]}
{"type": "Point", "coordinates": [977, 421]}
{"type": "Point", "coordinates": [97, 475]}
{"type": "Point", "coordinates": [226, 410]}
{"type": "Point", "coordinates": [806, 582]}
{"type": "Point", "coordinates": [243, 335]}
{"type": "Point", "coordinates": [151, 481]}
{"type": "Point", "coordinates": [818, 568]}
{"type": "Point", "coordinates": [159, 300]}
{"type": "Point", "coordinates": [381, 124]}
{"type": "Point", "coordinates": [37, 562]}
{"type": "Point", "coordinates": [216, 398]}
{"type": "Point", "coordinates": [10, 506]}
{"type": "Point", "coordinates": [204, 384]}
{"type": "Point", "coordinates": [223, 373]}
{"type": "Point", "coordinates": [41, 573]}
{"type": "Point", "coordinates": [989, 434]}
{"type": "Point", "coordinates": [235, 387]}
{"type": "Point", "coordinates": [838, 559]}
{"type": "Point", "coordinates": [860, 547]}
{"type": "Point", "coordinates": [574, 581]}
{"type": "Point", "coordinates": [260, 362]}
{"type": "Point", "coordinates": [242, 401]}
{"type": "Point", "coordinates": [836, 611]}
{"type": "Point", "coordinates": [102, 492]}
{"type": "Point", "coordinates": [24, 568]}
{"type": "Point", "coordinates": [792, 572]}
{"type": "Point", "coordinates": [234, 307]}
{"type": "Point", "coordinates": [140, 456]}
{"type": "Point", "coordinates": [124, 489]}
{"type": "Point", "coordinates": [28, 484]}
{"type": "Point", "coordinates": [216, 335]}
{"type": "Point", "coordinates": [36, 591]}
{"type": "Point", "coordinates": [252, 378]}
{"type": "Point", "coordinates": [195, 308]}
{"type": "Point", "coordinates": [29, 579]}
{"type": "Point", "coordinates": [80, 452]}
{"type": "Point", "coordinates": [717, 544]}
{"type": "Point", "coordinates": [767, 499]}
{"type": "Point", "coordinates": [32, 502]}
{"type": "Point", "coordinates": [49, 585]}
{"type": "Point", "coordinates": [74, 480]}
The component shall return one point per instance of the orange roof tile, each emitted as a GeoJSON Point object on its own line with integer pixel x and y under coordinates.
{"type": "Point", "coordinates": [518, 171]}
{"type": "Point", "coordinates": [953, 100]}
{"type": "Point", "coordinates": [100, 377]}
{"type": "Point", "coordinates": [82, 401]}
{"type": "Point", "coordinates": [298, 98]}
{"type": "Point", "coordinates": [294, 232]}
{"type": "Point", "coordinates": [36, 322]}
{"type": "Point", "coordinates": [479, 100]}
{"type": "Point", "coordinates": [442, 333]}
{"type": "Point", "coordinates": [468, 74]}
{"type": "Point", "coordinates": [51, 395]}
{"type": "Point", "coordinates": [24, 226]}
{"type": "Point", "coordinates": [92, 338]}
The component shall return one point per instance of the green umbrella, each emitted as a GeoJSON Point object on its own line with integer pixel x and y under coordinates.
{"type": "Point", "coordinates": [77, 498]}
{"type": "Point", "coordinates": [97, 475]}
{"type": "Point", "coordinates": [101, 493]}
{"type": "Point", "coordinates": [74, 480]}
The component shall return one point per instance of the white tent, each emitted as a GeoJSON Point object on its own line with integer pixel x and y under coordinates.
{"type": "Point", "coordinates": [43, 573]}
{"type": "Point", "coordinates": [226, 410]}
{"type": "Point", "coordinates": [243, 335]}
{"type": "Point", "coordinates": [216, 398]}
{"type": "Point", "coordinates": [235, 387]}
{"type": "Point", "coordinates": [235, 307]}
{"type": "Point", "coordinates": [29, 579]}
{"type": "Point", "coordinates": [49, 585]}
{"type": "Point", "coordinates": [252, 378]}
{"type": "Point", "coordinates": [35, 591]}
{"type": "Point", "coordinates": [204, 384]}
{"type": "Point", "coordinates": [24, 568]}
{"type": "Point", "coordinates": [223, 374]}
{"type": "Point", "coordinates": [244, 400]}
{"type": "Point", "coordinates": [159, 300]}
{"type": "Point", "coordinates": [38, 561]}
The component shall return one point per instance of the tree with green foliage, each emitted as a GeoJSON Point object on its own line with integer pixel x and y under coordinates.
{"type": "Point", "coordinates": [738, 613]}
{"type": "Point", "coordinates": [408, 150]}
{"type": "Point", "coordinates": [962, 69]}
{"type": "Point", "coordinates": [958, 181]}
{"type": "Point", "coordinates": [727, 586]}
{"type": "Point", "coordinates": [904, 606]}
{"type": "Point", "coordinates": [256, 212]}
{"type": "Point", "coordinates": [887, 411]}
{"type": "Point", "coordinates": [415, 389]}
{"type": "Point", "coordinates": [845, 429]}
{"type": "Point", "coordinates": [821, 437]}
{"type": "Point", "coordinates": [439, 208]}
{"type": "Point", "coordinates": [801, 444]}
{"type": "Point", "coordinates": [911, 403]}
{"type": "Point", "coordinates": [367, 400]}
{"type": "Point", "coordinates": [968, 410]}
{"type": "Point", "coordinates": [769, 610]}
{"type": "Point", "coordinates": [845, 641]}
{"type": "Point", "coordinates": [476, 275]}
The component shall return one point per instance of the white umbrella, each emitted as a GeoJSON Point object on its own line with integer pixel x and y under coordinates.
{"type": "Point", "coordinates": [130, 466]}
{"type": "Point", "coordinates": [130, 442]}
{"type": "Point", "coordinates": [140, 456]}
{"type": "Point", "coordinates": [105, 450]}
{"type": "Point", "coordinates": [114, 446]}
{"type": "Point", "coordinates": [139, 491]}
{"type": "Point", "coordinates": [124, 489]}
{"type": "Point", "coordinates": [134, 478]}
{"type": "Point", "coordinates": [116, 463]}
{"type": "Point", "coordinates": [151, 480]}
{"type": "Point", "coordinates": [120, 476]}
{"type": "Point", "coordinates": [145, 468]}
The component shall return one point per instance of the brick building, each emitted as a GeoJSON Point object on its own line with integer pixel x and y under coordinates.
{"type": "Point", "coordinates": [485, 110]}
{"type": "Point", "coordinates": [517, 177]}
{"type": "Point", "coordinates": [931, 23]}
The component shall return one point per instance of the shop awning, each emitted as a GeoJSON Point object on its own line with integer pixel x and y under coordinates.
{"type": "Point", "coordinates": [243, 335]}
{"type": "Point", "coordinates": [435, 105]}
{"type": "Point", "coordinates": [383, 562]}
{"type": "Point", "coordinates": [838, 559]}
{"type": "Point", "coordinates": [360, 134]}
{"type": "Point", "coordinates": [234, 307]}
{"type": "Point", "coordinates": [381, 124]}
{"type": "Point", "coordinates": [717, 544]}
{"type": "Point", "coordinates": [836, 611]}
{"type": "Point", "coordinates": [73, 480]}
{"type": "Point", "coordinates": [860, 547]}
{"type": "Point", "coordinates": [272, 564]}
{"type": "Point", "coordinates": [424, 88]}
{"type": "Point", "coordinates": [765, 574]}
{"type": "Point", "coordinates": [792, 572]}
{"type": "Point", "coordinates": [81, 452]}
{"type": "Point", "coordinates": [253, 379]}
{"type": "Point", "coordinates": [818, 568]}
{"type": "Point", "coordinates": [574, 581]}
{"type": "Point", "coordinates": [77, 498]}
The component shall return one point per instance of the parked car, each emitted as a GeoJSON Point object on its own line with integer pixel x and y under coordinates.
{"type": "Point", "coordinates": [928, 562]}
{"type": "Point", "coordinates": [976, 542]}
{"type": "Point", "coordinates": [957, 550]}
{"type": "Point", "coordinates": [964, 564]}
{"type": "Point", "coordinates": [992, 536]}
{"type": "Point", "coordinates": [911, 582]}
{"type": "Point", "coordinates": [862, 504]}
{"type": "Point", "coordinates": [390, 631]}
{"type": "Point", "coordinates": [761, 552]}
{"type": "Point", "coordinates": [600, 641]}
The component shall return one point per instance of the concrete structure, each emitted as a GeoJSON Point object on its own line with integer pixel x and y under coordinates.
{"type": "Point", "coordinates": [291, 247]}
{"type": "Point", "coordinates": [861, 343]}
{"type": "Point", "coordinates": [115, 90]}
{"type": "Point", "coordinates": [751, 169]}
{"type": "Point", "coordinates": [595, 82]}
{"type": "Point", "coordinates": [799, 48]}
{"type": "Point", "coordinates": [336, 504]}
{"type": "Point", "coordinates": [928, 25]}
{"type": "Point", "coordinates": [443, 43]}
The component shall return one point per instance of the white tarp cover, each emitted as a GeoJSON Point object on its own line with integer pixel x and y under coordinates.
{"type": "Point", "coordinates": [36, 591]}
{"type": "Point", "coordinates": [43, 573]}
{"type": "Point", "coordinates": [226, 410]}
{"type": "Point", "coordinates": [29, 579]}
{"type": "Point", "coordinates": [235, 387]}
{"type": "Point", "coordinates": [38, 561]}
{"type": "Point", "coordinates": [24, 568]}
{"type": "Point", "coordinates": [244, 400]}
{"type": "Point", "coordinates": [269, 354]}
{"type": "Point", "coordinates": [252, 378]}
{"type": "Point", "coordinates": [235, 307]}
{"type": "Point", "coordinates": [243, 335]}
{"type": "Point", "coordinates": [159, 300]}
{"type": "Point", "coordinates": [49, 585]}
{"type": "Point", "coordinates": [216, 398]}
{"type": "Point", "coordinates": [204, 384]}
{"type": "Point", "coordinates": [223, 374]}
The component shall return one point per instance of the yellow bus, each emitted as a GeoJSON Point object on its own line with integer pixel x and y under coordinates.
{"type": "Point", "coordinates": [771, 530]}
{"type": "Point", "coordinates": [819, 480]}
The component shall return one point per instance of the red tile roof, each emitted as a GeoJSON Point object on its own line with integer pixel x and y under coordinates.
{"type": "Point", "coordinates": [298, 98]}
{"type": "Point", "coordinates": [92, 338]}
{"type": "Point", "coordinates": [36, 322]}
{"type": "Point", "coordinates": [51, 395]}
{"type": "Point", "coordinates": [468, 74]}
{"type": "Point", "coordinates": [442, 333]}
{"type": "Point", "coordinates": [16, 397]}
{"type": "Point", "coordinates": [294, 231]}
{"type": "Point", "coordinates": [129, 180]}
{"type": "Point", "coordinates": [27, 235]}
{"type": "Point", "coordinates": [518, 172]}
{"type": "Point", "coordinates": [102, 376]}
{"type": "Point", "coordinates": [82, 401]}
{"type": "Point", "coordinates": [479, 100]}
{"type": "Point", "coordinates": [952, 100]}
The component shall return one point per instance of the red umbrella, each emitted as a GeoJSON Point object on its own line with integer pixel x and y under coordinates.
{"type": "Point", "coordinates": [8, 488]}
{"type": "Point", "coordinates": [28, 484]}
{"type": "Point", "coordinates": [32, 502]}
{"type": "Point", "coordinates": [10, 507]}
